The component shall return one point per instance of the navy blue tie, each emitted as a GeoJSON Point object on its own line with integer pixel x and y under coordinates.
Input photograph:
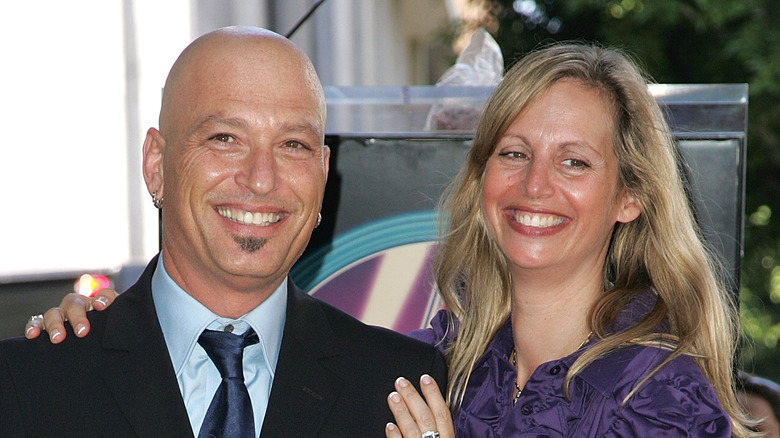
{"type": "Point", "coordinates": [230, 412]}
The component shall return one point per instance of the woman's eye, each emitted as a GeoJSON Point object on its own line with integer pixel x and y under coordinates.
{"type": "Point", "coordinates": [512, 154]}
{"type": "Point", "coordinates": [573, 162]}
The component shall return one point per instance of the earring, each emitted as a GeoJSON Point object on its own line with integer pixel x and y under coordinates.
{"type": "Point", "coordinates": [319, 220]}
{"type": "Point", "coordinates": [158, 203]}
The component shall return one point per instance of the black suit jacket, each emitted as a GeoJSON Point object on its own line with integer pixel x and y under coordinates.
{"type": "Point", "coordinates": [332, 378]}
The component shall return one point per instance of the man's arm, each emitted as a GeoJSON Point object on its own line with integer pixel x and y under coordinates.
{"type": "Point", "coordinates": [73, 308]}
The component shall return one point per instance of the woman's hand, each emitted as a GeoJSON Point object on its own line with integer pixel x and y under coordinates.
{"type": "Point", "coordinates": [415, 417]}
{"type": "Point", "coordinates": [73, 308]}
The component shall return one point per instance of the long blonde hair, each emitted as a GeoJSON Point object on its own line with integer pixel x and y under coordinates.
{"type": "Point", "coordinates": [662, 249]}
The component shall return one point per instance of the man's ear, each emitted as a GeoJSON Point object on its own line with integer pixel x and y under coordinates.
{"type": "Point", "coordinates": [326, 160]}
{"type": "Point", "coordinates": [629, 208]}
{"type": "Point", "coordinates": [154, 148]}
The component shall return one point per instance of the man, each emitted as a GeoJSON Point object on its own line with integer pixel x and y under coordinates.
{"type": "Point", "coordinates": [238, 166]}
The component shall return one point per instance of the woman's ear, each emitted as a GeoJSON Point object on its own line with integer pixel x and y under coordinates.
{"type": "Point", "coordinates": [629, 209]}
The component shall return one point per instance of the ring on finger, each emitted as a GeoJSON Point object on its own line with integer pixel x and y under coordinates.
{"type": "Point", "coordinates": [430, 434]}
{"type": "Point", "coordinates": [35, 318]}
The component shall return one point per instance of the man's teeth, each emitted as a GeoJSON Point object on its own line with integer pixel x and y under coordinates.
{"type": "Point", "coordinates": [249, 218]}
{"type": "Point", "coordinates": [538, 221]}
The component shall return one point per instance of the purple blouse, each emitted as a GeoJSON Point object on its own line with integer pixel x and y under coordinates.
{"type": "Point", "coordinates": [677, 401]}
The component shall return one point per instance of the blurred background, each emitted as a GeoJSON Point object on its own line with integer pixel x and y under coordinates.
{"type": "Point", "coordinates": [80, 82]}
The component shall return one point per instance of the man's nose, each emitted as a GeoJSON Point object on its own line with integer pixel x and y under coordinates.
{"type": "Point", "coordinates": [258, 170]}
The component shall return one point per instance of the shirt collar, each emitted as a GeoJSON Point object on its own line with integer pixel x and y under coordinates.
{"type": "Point", "coordinates": [182, 319]}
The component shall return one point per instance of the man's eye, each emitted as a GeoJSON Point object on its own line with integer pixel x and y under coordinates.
{"type": "Point", "coordinates": [294, 144]}
{"type": "Point", "coordinates": [223, 138]}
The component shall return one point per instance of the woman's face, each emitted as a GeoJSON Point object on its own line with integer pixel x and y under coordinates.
{"type": "Point", "coordinates": [551, 194]}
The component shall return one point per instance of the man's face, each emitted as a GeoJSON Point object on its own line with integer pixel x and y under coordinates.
{"type": "Point", "coordinates": [244, 169]}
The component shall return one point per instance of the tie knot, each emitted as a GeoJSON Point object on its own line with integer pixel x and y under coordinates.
{"type": "Point", "coordinates": [226, 350]}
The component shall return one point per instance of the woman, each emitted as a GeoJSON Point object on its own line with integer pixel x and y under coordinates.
{"type": "Point", "coordinates": [580, 298]}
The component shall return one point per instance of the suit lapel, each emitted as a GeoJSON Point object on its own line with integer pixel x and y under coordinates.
{"type": "Point", "coordinates": [304, 389]}
{"type": "Point", "coordinates": [138, 370]}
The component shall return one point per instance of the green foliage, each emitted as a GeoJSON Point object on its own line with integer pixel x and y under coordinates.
{"type": "Point", "coordinates": [693, 41]}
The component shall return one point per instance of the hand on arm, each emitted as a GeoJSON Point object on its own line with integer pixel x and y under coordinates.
{"type": "Point", "coordinates": [415, 415]}
{"type": "Point", "coordinates": [73, 308]}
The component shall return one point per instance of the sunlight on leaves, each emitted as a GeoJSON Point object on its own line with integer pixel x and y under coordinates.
{"type": "Point", "coordinates": [761, 216]}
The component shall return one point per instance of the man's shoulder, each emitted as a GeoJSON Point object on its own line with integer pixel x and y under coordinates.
{"type": "Point", "coordinates": [37, 363]}
{"type": "Point", "coordinates": [41, 347]}
{"type": "Point", "coordinates": [19, 345]}
{"type": "Point", "coordinates": [72, 349]}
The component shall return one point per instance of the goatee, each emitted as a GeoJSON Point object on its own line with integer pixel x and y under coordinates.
{"type": "Point", "coordinates": [250, 244]}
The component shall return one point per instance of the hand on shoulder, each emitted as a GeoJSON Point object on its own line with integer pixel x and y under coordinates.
{"type": "Point", "coordinates": [73, 308]}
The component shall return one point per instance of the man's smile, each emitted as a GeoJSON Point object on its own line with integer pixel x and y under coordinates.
{"type": "Point", "coordinates": [248, 218]}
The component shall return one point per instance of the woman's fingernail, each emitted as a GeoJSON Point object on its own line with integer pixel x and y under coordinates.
{"type": "Point", "coordinates": [403, 383]}
{"type": "Point", "coordinates": [29, 329]}
{"type": "Point", "coordinates": [390, 426]}
{"type": "Point", "coordinates": [394, 397]}
{"type": "Point", "coordinates": [80, 329]}
{"type": "Point", "coordinates": [426, 379]}
{"type": "Point", "coordinates": [102, 300]}
{"type": "Point", "coordinates": [55, 334]}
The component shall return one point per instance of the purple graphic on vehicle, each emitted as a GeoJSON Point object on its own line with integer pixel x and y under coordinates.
{"type": "Point", "coordinates": [393, 288]}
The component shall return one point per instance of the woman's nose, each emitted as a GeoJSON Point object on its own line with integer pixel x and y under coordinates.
{"type": "Point", "coordinates": [537, 180]}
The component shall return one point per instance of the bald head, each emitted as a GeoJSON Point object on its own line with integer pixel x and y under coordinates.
{"type": "Point", "coordinates": [237, 54]}
{"type": "Point", "coordinates": [240, 160]}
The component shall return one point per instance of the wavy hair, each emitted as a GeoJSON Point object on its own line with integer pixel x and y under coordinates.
{"type": "Point", "coordinates": [662, 249]}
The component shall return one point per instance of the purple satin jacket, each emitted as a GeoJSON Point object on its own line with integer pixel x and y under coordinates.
{"type": "Point", "coordinates": [677, 401]}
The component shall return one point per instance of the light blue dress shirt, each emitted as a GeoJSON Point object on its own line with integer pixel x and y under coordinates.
{"type": "Point", "coordinates": [183, 319]}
